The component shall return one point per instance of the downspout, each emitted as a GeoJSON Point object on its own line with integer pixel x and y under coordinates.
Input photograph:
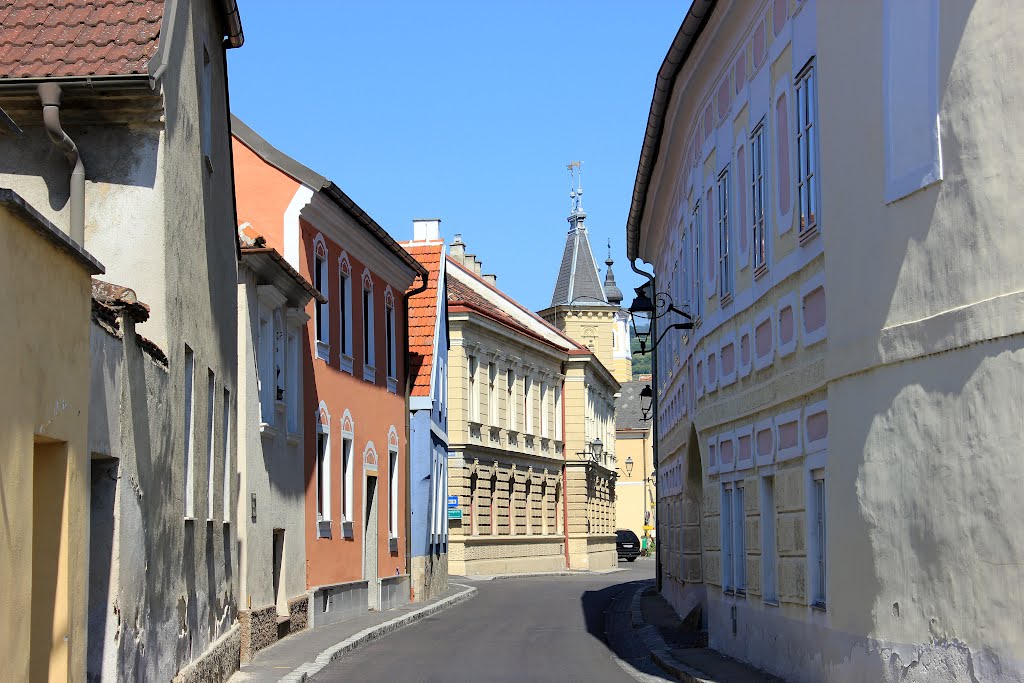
{"type": "Point", "coordinates": [565, 486]}
{"type": "Point", "coordinates": [50, 95]}
{"type": "Point", "coordinates": [654, 429]}
{"type": "Point", "coordinates": [408, 432]}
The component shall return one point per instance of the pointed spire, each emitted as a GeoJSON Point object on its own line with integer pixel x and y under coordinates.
{"type": "Point", "coordinates": [579, 281]}
{"type": "Point", "coordinates": [611, 290]}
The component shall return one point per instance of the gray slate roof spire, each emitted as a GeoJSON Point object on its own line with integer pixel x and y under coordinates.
{"type": "Point", "coordinates": [579, 281]}
{"type": "Point", "coordinates": [611, 290]}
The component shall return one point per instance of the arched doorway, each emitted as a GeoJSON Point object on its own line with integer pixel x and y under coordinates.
{"type": "Point", "coordinates": [693, 511]}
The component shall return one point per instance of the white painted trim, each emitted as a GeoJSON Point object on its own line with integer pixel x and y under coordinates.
{"type": "Point", "coordinates": [766, 314]}
{"type": "Point", "coordinates": [760, 426]}
{"type": "Point", "coordinates": [292, 233]}
{"type": "Point", "coordinates": [788, 417]}
{"type": "Point", "coordinates": [789, 347]}
{"type": "Point", "coordinates": [783, 221]}
{"type": "Point", "coordinates": [811, 410]}
{"type": "Point", "coordinates": [712, 446]}
{"type": "Point", "coordinates": [711, 360]}
{"type": "Point", "coordinates": [722, 438]}
{"type": "Point", "coordinates": [820, 334]}
{"type": "Point", "coordinates": [745, 368]}
{"type": "Point", "coordinates": [725, 380]}
{"type": "Point", "coordinates": [747, 431]}
{"type": "Point", "coordinates": [699, 371]}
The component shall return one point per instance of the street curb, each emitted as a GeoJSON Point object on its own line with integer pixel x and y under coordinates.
{"type": "Point", "coordinates": [529, 575]}
{"type": "Point", "coordinates": [302, 673]}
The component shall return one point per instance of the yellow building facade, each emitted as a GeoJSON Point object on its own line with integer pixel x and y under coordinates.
{"type": "Point", "coordinates": [44, 484]}
{"type": "Point", "coordinates": [635, 501]}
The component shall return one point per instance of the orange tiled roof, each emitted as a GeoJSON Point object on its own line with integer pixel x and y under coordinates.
{"type": "Point", "coordinates": [44, 38]}
{"type": "Point", "coordinates": [423, 315]}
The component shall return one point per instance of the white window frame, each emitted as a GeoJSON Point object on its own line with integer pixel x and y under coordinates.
{"type": "Point", "coordinates": [739, 538]}
{"type": "Point", "coordinates": [321, 311]}
{"type": "Point", "coordinates": [492, 394]}
{"type": "Point", "coordinates": [817, 499]}
{"type": "Point", "coordinates": [347, 477]}
{"type": "Point", "coordinates": [369, 330]}
{"type": "Point", "coordinates": [758, 198]}
{"type": "Point", "coordinates": [211, 442]}
{"type": "Point", "coordinates": [323, 473]}
{"type": "Point", "coordinates": [724, 255]}
{"type": "Point", "coordinates": [226, 455]}
{"type": "Point", "coordinates": [190, 371]}
{"type": "Point", "coordinates": [544, 410]}
{"type": "Point", "coordinates": [264, 364]}
{"type": "Point", "coordinates": [528, 404]}
{"type": "Point", "coordinates": [726, 511]}
{"type": "Point", "coordinates": [510, 398]}
{"type": "Point", "coordinates": [698, 274]}
{"type": "Point", "coordinates": [392, 492]}
{"type": "Point", "coordinates": [558, 411]}
{"type": "Point", "coordinates": [769, 555]}
{"type": "Point", "coordinates": [345, 314]}
{"type": "Point", "coordinates": [392, 356]}
{"type": "Point", "coordinates": [807, 150]}
{"type": "Point", "coordinates": [292, 392]}
{"type": "Point", "coordinates": [474, 389]}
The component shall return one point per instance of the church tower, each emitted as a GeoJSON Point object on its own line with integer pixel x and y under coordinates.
{"type": "Point", "coordinates": [580, 306]}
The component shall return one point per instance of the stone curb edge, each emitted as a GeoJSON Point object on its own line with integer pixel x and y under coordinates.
{"type": "Point", "coordinates": [533, 575]}
{"type": "Point", "coordinates": [302, 673]}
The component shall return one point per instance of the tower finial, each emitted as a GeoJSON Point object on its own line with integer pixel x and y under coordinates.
{"type": "Point", "coordinates": [608, 261]}
{"type": "Point", "coordinates": [575, 169]}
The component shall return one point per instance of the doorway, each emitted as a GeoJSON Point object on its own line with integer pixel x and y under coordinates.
{"type": "Point", "coordinates": [103, 548]}
{"type": "Point", "coordinates": [50, 622]}
{"type": "Point", "coordinates": [370, 545]}
{"type": "Point", "coordinates": [280, 601]}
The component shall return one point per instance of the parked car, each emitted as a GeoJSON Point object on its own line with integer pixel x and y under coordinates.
{"type": "Point", "coordinates": [627, 544]}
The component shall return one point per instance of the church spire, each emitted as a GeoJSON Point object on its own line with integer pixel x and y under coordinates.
{"type": "Point", "coordinates": [611, 290]}
{"type": "Point", "coordinates": [579, 281]}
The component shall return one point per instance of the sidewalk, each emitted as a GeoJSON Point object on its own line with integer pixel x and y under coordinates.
{"type": "Point", "coordinates": [307, 652]}
{"type": "Point", "coordinates": [652, 644]}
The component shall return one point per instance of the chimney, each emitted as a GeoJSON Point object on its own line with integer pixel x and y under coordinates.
{"type": "Point", "coordinates": [473, 263]}
{"type": "Point", "coordinates": [492, 278]}
{"type": "Point", "coordinates": [426, 229]}
{"type": "Point", "coordinates": [458, 249]}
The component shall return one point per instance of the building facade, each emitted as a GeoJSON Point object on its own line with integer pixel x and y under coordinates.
{"type": "Point", "coordinates": [635, 502]}
{"type": "Point", "coordinates": [44, 436]}
{"type": "Point", "coordinates": [825, 185]}
{"type": "Point", "coordinates": [127, 143]}
{"type": "Point", "coordinates": [428, 414]}
{"type": "Point", "coordinates": [272, 302]}
{"type": "Point", "coordinates": [354, 377]}
{"type": "Point", "coordinates": [526, 403]}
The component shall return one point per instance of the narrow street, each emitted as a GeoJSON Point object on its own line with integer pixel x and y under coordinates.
{"type": "Point", "coordinates": [530, 629]}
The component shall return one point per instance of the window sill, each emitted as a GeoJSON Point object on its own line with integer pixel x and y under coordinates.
{"type": "Point", "coordinates": [770, 603]}
{"type": "Point", "coordinates": [323, 528]}
{"type": "Point", "coordinates": [189, 520]}
{"type": "Point", "coordinates": [294, 438]}
{"type": "Point", "coordinates": [725, 300]}
{"type": "Point", "coordinates": [393, 544]}
{"type": "Point", "coordinates": [370, 374]}
{"type": "Point", "coordinates": [346, 530]}
{"type": "Point", "coordinates": [268, 431]}
{"type": "Point", "coordinates": [323, 351]}
{"type": "Point", "coordinates": [760, 271]}
{"type": "Point", "coordinates": [807, 235]}
{"type": "Point", "coordinates": [346, 363]}
{"type": "Point", "coordinates": [818, 606]}
{"type": "Point", "coordinates": [392, 385]}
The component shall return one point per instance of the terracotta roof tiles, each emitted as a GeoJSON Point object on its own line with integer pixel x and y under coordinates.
{"type": "Point", "coordinates": [45, 38]}
{"type": "Point", "coordinates": [423, 315]}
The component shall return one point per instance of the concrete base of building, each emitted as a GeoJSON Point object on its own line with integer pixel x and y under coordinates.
{"type": "Point", "coordinates": [336, 602]}
{"type": "Point", "coordinates": [512, 565]}
{"type": "Point", "coordinates": [263, 627]}
{"type": "Point", "coordinates": [429, 576]}
{"type": "Point", "coordinates": [505, 554]}
{"type": "Point", "coordinates": [218, 663]}
{"type": "Point", "coordinates": [394, 591]}
{"type": "Point", "coordinates": [593, 552]}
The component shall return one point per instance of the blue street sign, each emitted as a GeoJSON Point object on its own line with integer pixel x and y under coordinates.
{"type": "Point", "coordinates": [453, 501]}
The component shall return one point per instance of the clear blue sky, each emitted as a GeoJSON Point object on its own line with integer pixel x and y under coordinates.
{"type": "Point", "coordinates": [467, 111]}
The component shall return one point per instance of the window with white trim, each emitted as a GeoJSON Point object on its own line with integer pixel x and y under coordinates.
{"type": "Point", "coordinates": [474, 396]}
{"type": "Point", "coordinates": [819, 538]}
{"type": "Point", "coordinates": [698, 276]}
{"type": "Point", "coordinates": [492, 394]}
{"type": "Point", "coordinates": [528, 404]}
{"type": "Point", "coordinates": [320, 281]}
{"type": "Point", "coordinates": [292, 379]}
{"type": "Point", "coordinates": [806, 150]}
{"type": "Point", "coordinates": [226, 455]}
{"type": "Point", "coordinates": [544, 409]}
{"type": "Point", "coordinates": [510, 399]}
{"type": "Point", "coordinates": [758, 197]}
{"type": "Point", "coordinates": [346, 477]}
{"type": "Point", "coordinates": [190, 370]}
{"type": "Point", "coordinates": [369, 352]}
{"type": "Point", "coordinates": [345, 314]}
{"type": "Point", "coordinates": [211, 448]}
{"type": "Point", "coordinates": [558, 411]}
{"type": "Point", "coordinates": [264, 366]}
{"type": "Point", "coordinates": [739, 539]}
{"type": "Point", "coordinates": [724, 263]}
{"type": "Point", "coordinates": [389, 331]}
{"type": "Point", "coordinates": [392, 493]}
{"type": "Point", "coordinates": [769, 583]}
{"type": "Point", "coordinates": [323, 479]}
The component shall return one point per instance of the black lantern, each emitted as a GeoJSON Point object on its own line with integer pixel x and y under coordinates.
{"type": "Point", "coordinates": [597, 448]}
{"type": "Point", "coordinates": [629, 466]}
{"type": "Point", "coordinates": [646, 399]}
{"type": "Point", "coordinates": [642, 312]}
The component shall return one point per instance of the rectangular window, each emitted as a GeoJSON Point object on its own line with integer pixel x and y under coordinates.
{"type": "Point", "coordinates": [474, 397]}
{"type": "Point", "coordinates": [768, 581]}
{"type": "Point", "coordinates": [369, 353]}
{"type": "Point", "coordinates": [389, 321]}
{"type": "Point", "coordinates": [698, 277]}
{"type": "Point", "coordinates": [320, 282]}
{"type": "Point", "coordinates": [558, 412]}
{"type": "Point", "coordinates": [740, 541]}
{"type": "Point", "coordinates": [323, 477]}
{"type": "Point", "coordinates": [346, 479]}
{"type": "Point", "coordinates": [393, 494]}
{"type": "Point", "coordinates": [528, 404]}
{"type": "Point", "coordinates": [510, 400]}
{"type": "Point", "coordinates": [492, 394]}
{"type": "Point", "coordinates": [265, 365]}
{"type": "Point", "coordinates": [757, 198]}
{"type": "Point", "coordinates": [819, 539]}
{"type": "Point", "coordinates": [190, 368]}
{"type": "Point", "coordinates": [806, 148]}
{"type": "Point", "coordinates": [292, 380]}
{"type": "Point", "coordinates": [345, 315]}
{"type": "Point", "coordinates": [724, 265]}
{"type": "Point", "coordinates": [226, 445]}
{"type": "Point", "coordinates": [211, 450]}
{"type": "Point", "coordinates": [727, 561]}
{"type": "Point", "coordinates": [543, 409]}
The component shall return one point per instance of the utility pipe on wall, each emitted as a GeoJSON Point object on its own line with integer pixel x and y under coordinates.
{"type": "Point", "coordinates": [50, 95]}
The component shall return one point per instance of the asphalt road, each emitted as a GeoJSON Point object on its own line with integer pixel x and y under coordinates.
{"type": "Point", "coordinates": [531, 629]}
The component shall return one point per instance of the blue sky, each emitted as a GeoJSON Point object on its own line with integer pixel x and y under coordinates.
{"type": "Point", "coordinates": [468, 111]}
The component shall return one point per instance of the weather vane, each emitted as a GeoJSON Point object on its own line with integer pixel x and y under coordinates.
{"type": "Point", "coordinates": [575, 169]}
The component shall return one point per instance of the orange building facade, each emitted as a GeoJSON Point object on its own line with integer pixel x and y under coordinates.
{"type": "Point", "coordinates": [353, 358]}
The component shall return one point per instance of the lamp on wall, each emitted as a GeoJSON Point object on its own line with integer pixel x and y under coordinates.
{"type": "Point", "coordinates": [646, 308]}
{"type": "Point", "coordinates": [629, 466]}
{"type": "Point", "coordinates": [646, 400]}
{"type": "Point", "coordinates": [595, 449]}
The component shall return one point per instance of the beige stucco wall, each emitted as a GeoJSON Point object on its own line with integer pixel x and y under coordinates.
{"type": "Point", "coordinates": [44, 483]}
{"type": "Point", "coordinates": [633, 495]}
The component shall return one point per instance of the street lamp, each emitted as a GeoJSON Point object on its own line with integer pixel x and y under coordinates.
{"type": "Point", "coordinates": [594, 454]}
{"type": "Point", "coordinates": [644, 310]}
{"type": "Point", "coordinates": [646, 399]}
{"type": "Point", "coordinates": [629, 466]}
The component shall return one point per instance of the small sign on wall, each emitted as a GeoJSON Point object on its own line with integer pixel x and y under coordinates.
{"type": "Point", "coordinates": [455, 514]}
{"type": "Point", "coordinates": [453, 502]}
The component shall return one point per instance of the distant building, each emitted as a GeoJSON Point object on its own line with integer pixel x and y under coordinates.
{"type": "Point", "coordinates": [526, 406]}
{"type": "Point", "coordinates": [354, 377]}
{"type": "Point", "coordinates": [635, 503]}
{"type": "Point", "coordinates": [428, 422]}
{"type": "Point", "coordinates": [126, 141]}
{"type": "Point", "coordinates": [44, 439]}
{"type": "Point", "coordinates": [833, 188]}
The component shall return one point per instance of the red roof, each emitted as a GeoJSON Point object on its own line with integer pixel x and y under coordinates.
{"type": "Point", "coordinates": [423, 315]}
{"type": "Point", "coordinates": [43, 38]}
{"type": "Point", "coordinates": [461, 293]}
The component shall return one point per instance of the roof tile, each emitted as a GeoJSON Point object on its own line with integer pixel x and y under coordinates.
{"type": "Point", "coordinates": [423, 315]}
{"type": "Point", "coordinates": [78, 37]}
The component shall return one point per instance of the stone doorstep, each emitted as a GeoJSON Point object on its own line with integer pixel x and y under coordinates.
{"type": "Point", "coordinates": [367, 635]}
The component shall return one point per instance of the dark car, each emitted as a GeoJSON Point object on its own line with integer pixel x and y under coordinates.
{"type": "Point", "coordinates": [627, 544]}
